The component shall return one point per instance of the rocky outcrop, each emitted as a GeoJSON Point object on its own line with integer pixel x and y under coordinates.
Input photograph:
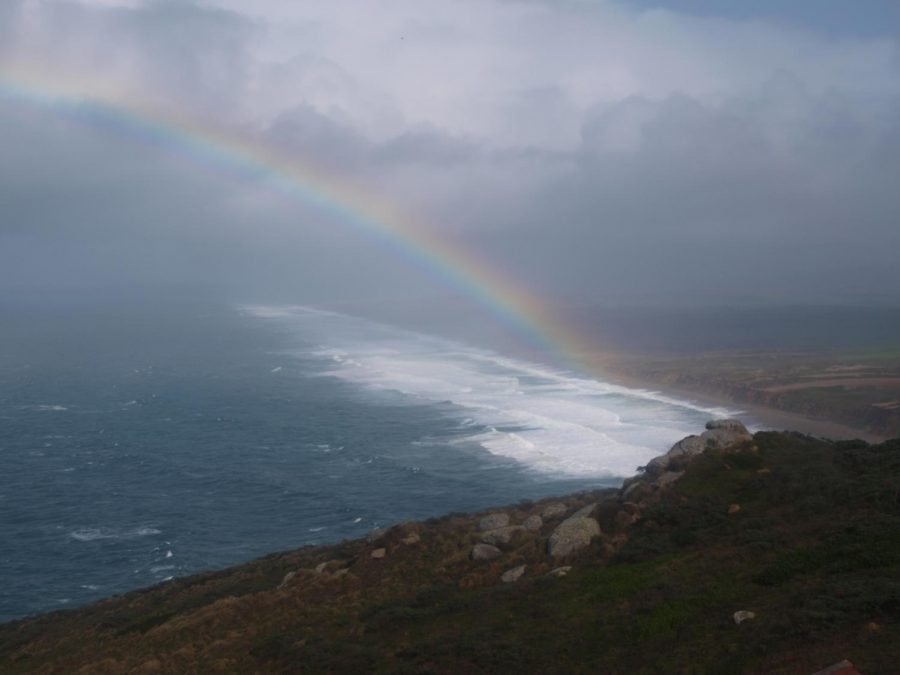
{"type": "Point", "coordinates": [645, 489]}
{"type": "Point", "coordinates": [574, 533]}
{"type": "Point", "coordinates": [725, 433]}
{"type": "Point", "coordinates": [719, 435]}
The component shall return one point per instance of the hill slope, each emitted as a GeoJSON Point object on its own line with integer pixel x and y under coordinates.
{"type": "Point", "coordinates": [813, 551]}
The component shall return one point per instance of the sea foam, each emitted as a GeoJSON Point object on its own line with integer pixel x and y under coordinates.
{"type": "Point", "coordinates": [550, 420]}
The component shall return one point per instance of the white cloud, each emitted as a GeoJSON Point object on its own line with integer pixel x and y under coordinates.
{"type": "Point", "coordinates": [594, 131]}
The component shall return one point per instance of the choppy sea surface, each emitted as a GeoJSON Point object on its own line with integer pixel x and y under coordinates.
{"type": "Point", "coordinates": [139, 445]}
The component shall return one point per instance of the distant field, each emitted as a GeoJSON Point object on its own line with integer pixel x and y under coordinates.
{"type": "Point", "coordinates": [833, 365]}
{"type": "Point", "coordinates": [850, 389]}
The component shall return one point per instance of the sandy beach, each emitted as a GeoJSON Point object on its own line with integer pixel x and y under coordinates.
{"type": "Point", "coordinates": [760, 417]}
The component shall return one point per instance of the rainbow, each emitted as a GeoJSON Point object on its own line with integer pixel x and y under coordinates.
{"type": "Point", "coordinates": [201, 141]}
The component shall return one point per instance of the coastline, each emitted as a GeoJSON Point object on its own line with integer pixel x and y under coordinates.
{"type": "Point", "coordinates": [675, 562]}
{"type": "Point", "coordinates": [761, 418]}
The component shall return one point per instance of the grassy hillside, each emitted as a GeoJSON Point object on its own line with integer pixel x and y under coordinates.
{"type": "Point", "coordinates": [813, 550]}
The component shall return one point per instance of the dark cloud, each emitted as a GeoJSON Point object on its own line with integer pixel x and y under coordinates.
{"type": "Point", "coordinates": [591, 152]}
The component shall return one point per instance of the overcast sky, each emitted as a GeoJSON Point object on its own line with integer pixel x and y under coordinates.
{"type": "Point", "coordinates": [613, 152]}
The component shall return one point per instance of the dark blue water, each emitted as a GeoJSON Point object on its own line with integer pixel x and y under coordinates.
{"type": "Point", "coordinates": [145, 440]}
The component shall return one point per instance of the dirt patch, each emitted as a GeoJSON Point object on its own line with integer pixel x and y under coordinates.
{"type": "Point", "coordinates": [836, 382]}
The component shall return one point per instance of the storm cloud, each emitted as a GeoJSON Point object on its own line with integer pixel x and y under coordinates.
{"type": "Point", "coordinates": [600, 152]}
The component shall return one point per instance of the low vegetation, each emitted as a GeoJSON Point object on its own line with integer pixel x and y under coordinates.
{"type": "Point", "coordinates": [803, 533]}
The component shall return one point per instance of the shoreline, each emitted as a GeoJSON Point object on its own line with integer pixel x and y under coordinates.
{"type": "Point", "coordinates": [762, 418]}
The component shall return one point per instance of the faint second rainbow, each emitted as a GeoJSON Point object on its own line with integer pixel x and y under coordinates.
{"type": "Point", "coordinates": [452, 265]}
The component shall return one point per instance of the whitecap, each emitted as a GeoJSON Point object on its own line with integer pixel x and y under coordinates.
{"type": "Point", "coordinates": [97, 533]}
{"type": "Point", "coordinates": [545, 418]}
{"type": "Point", "coordinates": [146, 531]}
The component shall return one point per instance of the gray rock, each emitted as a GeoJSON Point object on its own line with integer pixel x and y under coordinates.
{"type": "Point", "coordinates": [560, 571]}
{"type": "Point", "coordinates": [654, 467]}
{"type": "Point", "coordinates": [731, 424]}
{"type": "Point", "coordinates": [533, 523]}
{"type": "Point", "coordinates": [555, 510]}
{"type": "Point", "coordinates": [321, 567]}
{"type": "Point", "coordinates": [574, 533]}
{"type": "Point", "coordinates": [493, 521]}
{"type": "Point", "coordinates": [501, 535]}
{"type": "Point", "coordinates": [722, 434]}
{"type": "Point", "coordinates": [287, 579]}
{"type": "Point", "coordinates": [513, 575]}
{"type": "Point", "coordinates": [485, 552]}
{"type": "Point", "coordinates": [379, 553]}
{"type": "Point", "coordinates": [690, 445]}
{"type": "Point", "coordinates": [719, 435]}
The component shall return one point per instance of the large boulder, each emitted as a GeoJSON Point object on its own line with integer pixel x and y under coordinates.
{"type": "Point", "coordinates": [690, 445]}
{"type": "Point", "coordinates": [574, 533]}
{"type": "Point", "coordinates": [493, 521]}
{"type": "Point", "coordinates": [722, 434]}
{"type": "Point", "coordinates": [533, 523]}
{"type": "Point", "coordinates": [501, 535]}
{"type": "Point", "coordinates": [554, 510]}
{"type": "Point", "coordinates": [485, 552]}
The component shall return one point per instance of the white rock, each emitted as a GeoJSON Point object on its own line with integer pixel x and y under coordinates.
{"type": "Point", "coordinates": [513, 575]}
{"type": "Point", "coordinates": [743, 615]}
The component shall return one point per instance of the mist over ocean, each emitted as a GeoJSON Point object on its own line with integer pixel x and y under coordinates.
{"type": "Point", "coordinates": [145, 443]}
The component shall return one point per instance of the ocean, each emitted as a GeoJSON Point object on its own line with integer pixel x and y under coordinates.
{"type": "Point", "coordinates": [141, 443]}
